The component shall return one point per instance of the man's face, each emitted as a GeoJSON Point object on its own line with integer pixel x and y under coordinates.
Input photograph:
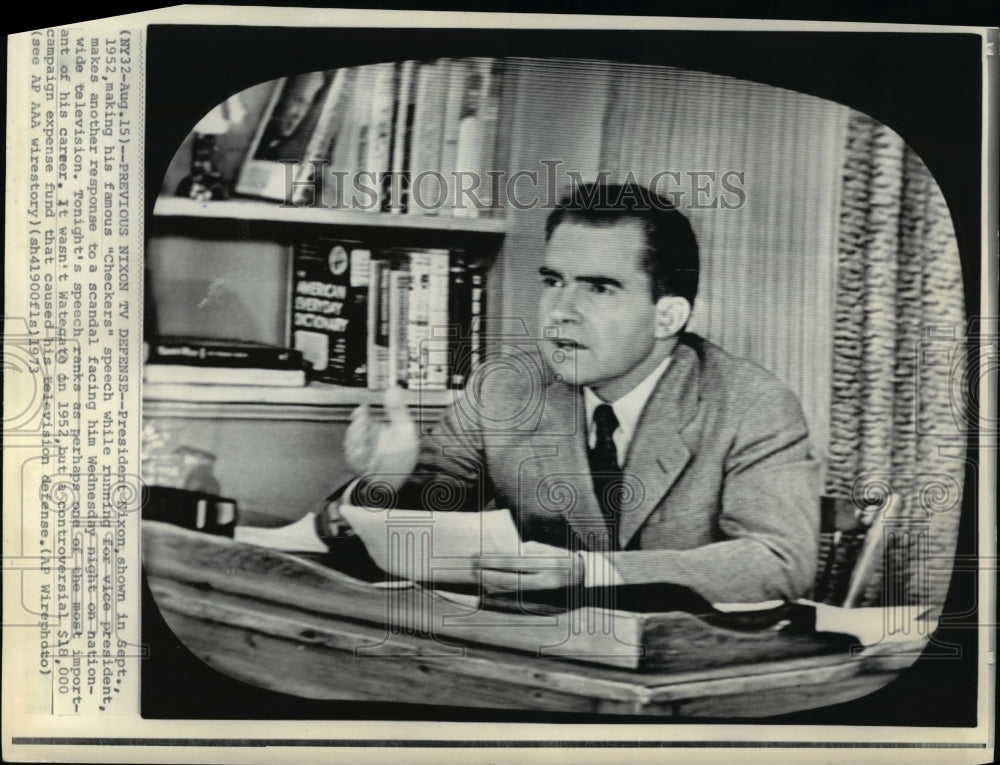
{"type": "Point", "coordinates": [598, 299]}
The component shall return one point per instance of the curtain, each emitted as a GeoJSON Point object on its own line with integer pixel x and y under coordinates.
{"type": "Point", "coordinates": [839, 273]}
{"type": "Point", "coordinates": [895, 424]}
{"type": "Point", "coordinates": [767, 264]}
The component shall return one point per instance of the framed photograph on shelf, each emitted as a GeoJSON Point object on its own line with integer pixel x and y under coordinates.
{"type": "Point", "coordinates": [298, 124]}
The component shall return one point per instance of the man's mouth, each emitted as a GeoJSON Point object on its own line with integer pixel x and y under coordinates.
{"type": "Point", "coordinates": [564, 344]}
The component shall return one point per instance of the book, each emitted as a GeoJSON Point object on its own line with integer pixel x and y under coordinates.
{"type": "Point", "coordinates": [399, 288]}
{"type": "Point", "coordinates": [417, 318]}
{"type": "Point", "coordinates": [398, 191]}
{"type": "Point", "coordinates": [438, 323]}
{"type": "Point", "coordinates": [329, 313]}
{"type": "Point", "coordinates": [428, 320]}
{"type": "Point", "coordinates": [460, 321]}
{"type": "Point", "coordinates": [468, 143]}
{"type": "Point", "coordinates": [426, 190]}
{"type": "Point", "coordinates": [477, 128]}
{"type": "Point", "coordinates": [477, 324]}
{"type": "Point", "coordinates": [341, 150]}
{"type": "Point", "coordinates": [195, 351]}
{"type": "Point", "coordinates": [328, 128]}
{"type": "Point", "coordinates": [380, 134]}
{"type": "Point", "coordinates": [499, 143]}
{"type": "Point", "coordinates": [356, 366]}
{"type": "Point", "coordinates": [187, 374]}
{"type": "Point", "coordinates": [488, 116]}
{"type": "Point", "coordinates": [378, 325]}
{"type": "Point", "coordinates": [456, 73]}
{"type": "Point", "coordinates": [349, 152]}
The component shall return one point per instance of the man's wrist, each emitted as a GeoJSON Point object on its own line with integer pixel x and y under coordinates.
{"type": "Point", "coordinates": [598, 570]}
{"type": "Point", "coordinates": [324, 529]}
{"type": "Point", "coordinates": [329, 523]}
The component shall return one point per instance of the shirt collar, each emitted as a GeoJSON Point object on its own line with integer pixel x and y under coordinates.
{"type": "Point", "coordinates": [629, 407]}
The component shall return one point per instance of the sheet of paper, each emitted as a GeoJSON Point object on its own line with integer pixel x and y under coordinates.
{"type": "Point", "coordinates": [872, 625]}
{"type": "Point", "coordinates": [299, 536]}
{"type": "Point", "coordinates": [425, 545]}
{"type": "Point", "coordinates": [733, 608]}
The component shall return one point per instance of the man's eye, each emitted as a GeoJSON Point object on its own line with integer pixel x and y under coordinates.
{"type": "Point", "coordinates": [601, 289]}
{"type": "Point", "coordinates": [550, 281]}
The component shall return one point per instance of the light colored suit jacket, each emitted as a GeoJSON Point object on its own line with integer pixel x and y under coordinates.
{"type": "Point", "coordinates": [720, 495]}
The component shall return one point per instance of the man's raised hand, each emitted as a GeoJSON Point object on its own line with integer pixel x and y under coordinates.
{"type": "Point", "coordinates": [386, 450]}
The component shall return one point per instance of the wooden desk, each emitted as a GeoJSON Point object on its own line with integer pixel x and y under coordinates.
{"type": "Point", "coordinates": [267, 637]}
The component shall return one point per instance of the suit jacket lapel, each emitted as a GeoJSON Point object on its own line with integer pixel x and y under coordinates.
{"type": "Point", "coordinates": [658, 452]}
{"type": "Point", "coordinates": [566, 464]}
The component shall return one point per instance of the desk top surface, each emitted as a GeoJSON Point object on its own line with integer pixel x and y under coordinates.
{"type": "Point", "coordinates": [294, 611]}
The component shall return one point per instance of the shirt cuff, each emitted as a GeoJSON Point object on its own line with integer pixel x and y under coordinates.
{"type": "Point", "coordinates": [598, 570]}
{"type": "Point", "coordinates": [348, 495]}
{"type": "Point", "coordinates": [329, 523]}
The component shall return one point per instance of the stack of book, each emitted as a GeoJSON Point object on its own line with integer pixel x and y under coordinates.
{"type": "Point", "coordinates": [329, 308]}
{"type": "Point", "coordinates": [206, 361]}
{"type": "Point", "coordinates": [412, 317]}
{"type": "Point", "coordinates": [400, 137]}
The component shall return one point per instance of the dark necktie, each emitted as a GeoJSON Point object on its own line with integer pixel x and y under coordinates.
{"type": "Point", "coordinates": [604, 470]}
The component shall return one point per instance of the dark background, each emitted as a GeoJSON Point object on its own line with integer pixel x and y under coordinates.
{"type": "Point", "coordinates": [925, 86]}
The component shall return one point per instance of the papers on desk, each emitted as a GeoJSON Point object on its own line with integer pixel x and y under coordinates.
{"type": "Point", "coordinates": [426, 545]}
{"type": "Point", "coordinates": [435, 547]}
{"type": "Point", "coordinates": [735, 608]}
{"type": "Point", "coordinates": [295, 537]}
{"type": "Point", "coordinates": [898, 624]}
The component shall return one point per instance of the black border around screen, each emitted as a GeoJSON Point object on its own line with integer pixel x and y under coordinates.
{"type": "Point", "coordinates": [925, 86]}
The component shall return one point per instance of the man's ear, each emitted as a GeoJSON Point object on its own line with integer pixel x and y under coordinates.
{"type": "Point", "coordinates": [672, 313]}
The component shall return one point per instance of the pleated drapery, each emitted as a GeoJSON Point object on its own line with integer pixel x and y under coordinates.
{"type": "Point", "coordinates": [896, 420]}
{"type": "Point", "coordinates": [840, 273]}
{"type": "Point", "coordinates": [768, 264]}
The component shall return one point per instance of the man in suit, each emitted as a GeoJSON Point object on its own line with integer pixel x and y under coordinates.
{"type": "Point", "coordinates": [650, 455]}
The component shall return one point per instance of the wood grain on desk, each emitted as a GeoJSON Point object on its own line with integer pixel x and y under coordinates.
{"type": "Point", "coordinates": [267, 636]}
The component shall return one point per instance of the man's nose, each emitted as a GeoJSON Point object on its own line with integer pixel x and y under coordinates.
{"type": "Point", "coordinates": [563, 307]}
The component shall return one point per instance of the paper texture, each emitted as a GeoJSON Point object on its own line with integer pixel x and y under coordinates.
{"type": "Point", "coordinates": [100, 121]}
{"type": "Point", "coordinates": [295, 537]}
{"type": "Point", "coordinates": [870, 625]}
{"type": "Point", "coordinates": [427, 545]}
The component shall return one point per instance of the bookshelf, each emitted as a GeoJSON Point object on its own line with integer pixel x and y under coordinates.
{"type": "Point", "coordinates": [280, 449]}
{"type": "Point", "coordinates": [356, 118]}
{"type": "Point", "coordinates": [266, 224]}
{"type": "Point", "coordinates": [245, 401]}
{"type": "Point", "coordinates": [240, 210]}
{"type": "Point", "coordinates": [269, 223]}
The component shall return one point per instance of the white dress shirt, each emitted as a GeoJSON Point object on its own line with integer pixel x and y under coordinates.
{"type": "Point", "coordinates": [628, 410]}
{"type": "Point", "coordinates": [598, 568]}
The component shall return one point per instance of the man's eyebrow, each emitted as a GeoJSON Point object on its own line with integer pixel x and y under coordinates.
{"type": "Point", "coordinates": [603, 281]}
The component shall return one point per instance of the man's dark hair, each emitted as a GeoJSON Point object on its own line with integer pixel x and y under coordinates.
{"type": "Point", "coordinates": [671, 254]}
